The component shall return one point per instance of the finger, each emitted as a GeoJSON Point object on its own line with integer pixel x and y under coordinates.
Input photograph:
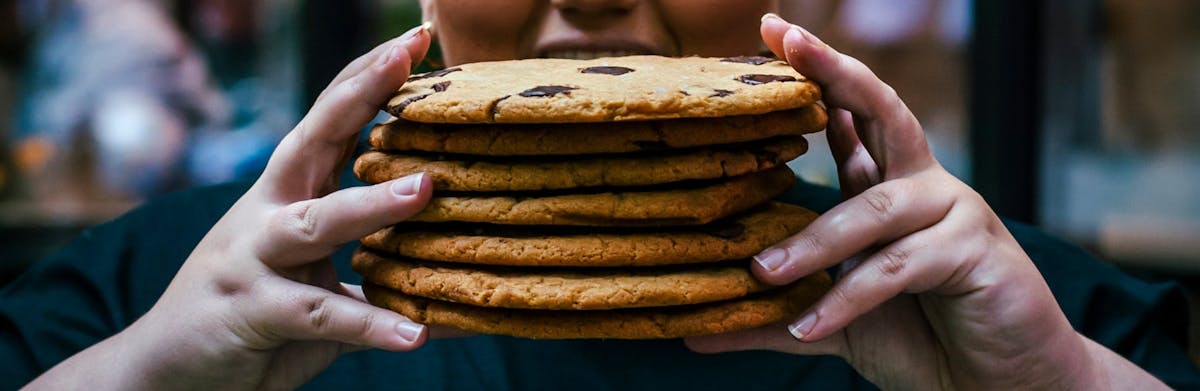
{"type": "Point", "coordinates": [435, 332]}
{"type": "Point", "coordinates": [856, 169]}
{"type": "Point", "coordinates": [913, 264]}
{"type": "Point", "coordinates": [771, 337]}
{"type": "Point", "coordinates": [303, 166]}
{"type": "Point", "coordinates": [879, 215]}
{"type": "Point", "coordinates": [353, 291]}
{"type": "Point", "coordinates": [294, 311]}
{"type": "Point", "coordinates": [309, 230]}
{"type": "Point", "coordinates": [772, 28]}
{"type": "Point", "coordinates": [360, 63]}
{"type": "Point", "coordinates": [888, 129]}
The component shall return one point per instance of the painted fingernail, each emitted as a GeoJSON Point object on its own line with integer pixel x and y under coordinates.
{"type": "Point", "coordinates": [408, 185]}
{"type": "Point", "coordinates": [771, 259]}
{"type": "Point", "coordinates": [771, 16]}
{"type": "Point", "coordinates": [804, 326]}
{"type": "Point", "coordinates": [409, 331]}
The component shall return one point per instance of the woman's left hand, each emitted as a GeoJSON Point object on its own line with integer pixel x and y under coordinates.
{"type": "Point", "coordinates": [935, 292]}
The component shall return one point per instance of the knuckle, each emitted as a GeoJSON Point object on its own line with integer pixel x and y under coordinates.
{"type": "Point", "coordinates": [365, 324]}
{"type": "Point", "coordinates": [360, 92]}
{"type": "Point", "coordinates": [300, 219]}
{"type": "Point", "coordinates": [889, 96]}
{"type": "Point", "coordinates": [841, 297]}
{"type": "Point", "coordinates": [320, 315]}
{"type": "Point", "coordinates": [809, 242]}
{"type": "Point", "coordinates": [879, 201]}
{"type": "Point", "coordinates": [893, 260]}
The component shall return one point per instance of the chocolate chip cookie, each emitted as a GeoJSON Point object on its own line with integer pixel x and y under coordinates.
{"type": "Point", "coordinates": [602, 90]}
{"type": "Point", "coordinates": [563, 289]}
{"type": "Point", "coordinates": [760, 309]}
{"type": "Point", "coordinates": [730, 239]}
{"type": "Point", "coordinates": [592, 138]}
{"type": "Point", "coordinates": [478, 173]}
{"type": "Point", "coordinates": [680, 204]}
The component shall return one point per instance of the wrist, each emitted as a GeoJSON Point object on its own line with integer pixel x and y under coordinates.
{"type": "Point", "coordinates": [1111, 371]}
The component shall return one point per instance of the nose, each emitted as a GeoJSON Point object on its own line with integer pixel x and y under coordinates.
{"type": "Point", "coordinates": [594, 8]}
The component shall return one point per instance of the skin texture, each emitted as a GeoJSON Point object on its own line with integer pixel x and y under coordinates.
{"type": "Point", "coordinates": [937, 293]}
{"type": "Point", "coordinates": [483, 30]}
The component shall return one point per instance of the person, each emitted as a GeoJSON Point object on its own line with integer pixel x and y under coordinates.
{"type": "Point", "coordinates": [938, 292]}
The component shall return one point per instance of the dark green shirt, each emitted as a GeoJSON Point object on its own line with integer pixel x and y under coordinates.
{"type": "Point", "coordinates": [114, 272]}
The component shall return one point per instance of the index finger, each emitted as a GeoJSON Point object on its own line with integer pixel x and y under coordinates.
{"type": "Point", "coordinates": [886, 127]}
{"type": "Point", "coordinates": [306, 162]}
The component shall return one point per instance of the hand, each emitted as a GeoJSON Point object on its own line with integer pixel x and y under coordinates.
{"type": "Point", "coordinates": [257, 304]}
{"type": "Point", "coordinates": [936, 292]}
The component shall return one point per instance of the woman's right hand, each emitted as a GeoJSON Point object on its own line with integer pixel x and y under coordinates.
{"type": "Point", "coordinates": [257, 304]}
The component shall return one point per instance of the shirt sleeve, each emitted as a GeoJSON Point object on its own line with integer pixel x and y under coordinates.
{"type": "Point", "coordinates": [101, 282]}
{"type": "Point", "coordinates": [1146, 322]}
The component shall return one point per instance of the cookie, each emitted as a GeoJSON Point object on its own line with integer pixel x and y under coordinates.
{"type": "Point", "coordinates": [673, 206]}
{"type": "Point", "coordinates": [602, 90]}
{"type": "Point", "coordinates": [768, 307]}
{"type": "Point", "coordinates": [463, 173]}
{"type": "Point", "coordinates": [592, 138]}
{"type": "Point", "coordinates": [729, 239]}
{"type": "Point", "coordinates": [565, 289]}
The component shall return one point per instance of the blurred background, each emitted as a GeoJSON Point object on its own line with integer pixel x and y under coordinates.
{"type": "Point", "coordinates": [1078, 116]}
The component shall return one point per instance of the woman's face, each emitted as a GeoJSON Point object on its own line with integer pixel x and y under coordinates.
{"type": "Point", "coordinates": [483, 30]}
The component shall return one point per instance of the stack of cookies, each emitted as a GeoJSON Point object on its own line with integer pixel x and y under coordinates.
{"type": "Point", "coordinates": [610, 198]}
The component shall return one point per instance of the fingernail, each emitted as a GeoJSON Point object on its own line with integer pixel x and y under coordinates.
{"type": "Point", "coordinates": [771, 16]}
{"type": "Point", "coordinates": [804, 326]}
{"type": "Point", "coordinates": [808, 36]}
{"type": "Point", "coordinates": [409, 185]}
{"type": "Point", "coordinates": [427, 26]}
{"type": "Point", "coordinates": [412, 33]}
{"type": "Point", "coordinates": [409, 331]}
{"type": "Point", "coordinates": [771, 259]}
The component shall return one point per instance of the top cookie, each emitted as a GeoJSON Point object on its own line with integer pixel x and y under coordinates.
{"type": "Point", "coordinates": [601, 90]}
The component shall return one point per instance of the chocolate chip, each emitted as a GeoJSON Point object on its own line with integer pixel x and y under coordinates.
{"type": "Point", "coordinates": [755, 60]}
{"type": "Point", "coordinates": [438, 73]}
{"type": "Point", "coordinates": [719, 93]}
{"type": "Point", "coordinates": [494, 108]}
{"type": "Point", "coordinates": [725, 231]}
{"type": "Point", "coordinates": [615, 71]}
{"type": "Point", "coordinates": [547, 91]}
{"type": "Point", "coordinates": [399, 108]}
{"type": "Point", "coordinates": [763, 79]}
{"type": "Point", "coordinates": [439, 87]}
